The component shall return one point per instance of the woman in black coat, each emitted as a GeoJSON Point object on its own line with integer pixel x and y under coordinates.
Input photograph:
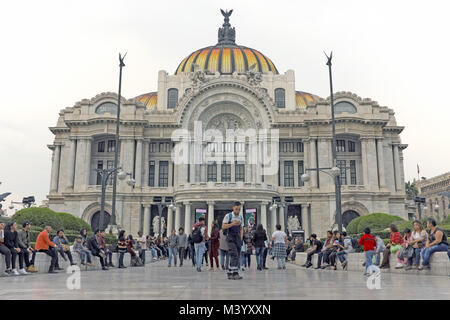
{"type": "Point", "coordinates": [12, 243]}
{"type": "Point", "coordinates": [258, 241]}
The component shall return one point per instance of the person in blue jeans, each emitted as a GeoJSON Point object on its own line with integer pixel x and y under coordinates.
{"type": "Point", "coordinates": [199, 246]}
{"type": "Point", "coordinates": [258, 240]}
{"type": "Point", "coordinates": [369, 243]}
{"type": "Point", "coordinates": [436, 241]}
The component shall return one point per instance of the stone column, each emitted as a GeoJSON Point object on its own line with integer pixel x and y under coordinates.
{"type": "Point", "coordinates": [146, 162]}
{"type": "Point", "coordinates": [187, 217]}
{"type": "Point", "coordinates": [169, 221]}
{"type": "Point", "coordinates": [264, 214]}
{"type": "Point", "coordinates": [398, 185]}
{"type": "Point", "coordinates": [71, 164]}
{"type": "Point", "coordinates": [380, 153]}
{"type": "Point", "coordinates": [79, 164]}
{"type": "Point", "coordinates": [273, 220]}
{"type": "Point", "coordinates": [325, 161]}
{"type": "Point", "coordinates": [365, 164]}
{"type": "Point", "coordinates": [312, 163]}
{"type": "Point", "coordinates": [210, 214]}
{"type": "Point", "coordinates": [138, 168]}
{"type": "Point", "coordinates": [371, 156]}
{"type": "Point", "coordinates": [55, 169]}
{"type": "Point", "coordinates": [281, 217]}
{"type": "Point", "coordinates": [177, 217]}
{"type": "Point", "coordinates": [88, 172]}
{"type": "Point", "coordinates": [146, 228]}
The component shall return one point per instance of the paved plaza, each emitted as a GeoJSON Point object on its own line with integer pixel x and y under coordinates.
{"type": "Point", "coordinates": [156, 281]}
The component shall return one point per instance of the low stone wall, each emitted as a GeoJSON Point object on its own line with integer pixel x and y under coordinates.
{"type": "Point", "coordinates": [42, 262]}
{"type": "Point", "coordinates": [439, 264]}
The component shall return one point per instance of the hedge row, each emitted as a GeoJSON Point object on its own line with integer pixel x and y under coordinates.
{"type": "Point", "coordinates": [375, 221]}
{"type": "Point", "coordinates": [41, 217]}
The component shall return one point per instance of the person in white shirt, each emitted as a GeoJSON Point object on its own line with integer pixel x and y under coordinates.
{"type": "Point", "coordinates": [279, 239]}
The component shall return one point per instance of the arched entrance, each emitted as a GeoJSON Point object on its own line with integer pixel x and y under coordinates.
{"type": "Point", "coordinates": [95, 220]}
{"type": "Point", "coordinates": [348, 216]}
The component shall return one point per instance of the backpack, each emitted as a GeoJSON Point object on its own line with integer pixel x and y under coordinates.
{"type": "Point", "coordinates": [197, 234]}
{"type": "Point", "coordinates": [225, 231]}
{"type": "Point", "coordinates": [355, 243]}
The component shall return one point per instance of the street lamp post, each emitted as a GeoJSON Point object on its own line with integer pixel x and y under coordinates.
{"type": "Point", "coordinates": [419, 200]}
{"type": "Point", "coordinates": [105, 175]}
{"type": "Point", "coordinates": [337, 179]}
{"type": "Point", "coordinates": [116, 149]}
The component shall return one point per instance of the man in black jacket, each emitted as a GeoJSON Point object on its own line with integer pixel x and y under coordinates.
{"type": "Point", "coordinates": [11, 242]}
{"type": "Point", "coordinates": [92, 245]}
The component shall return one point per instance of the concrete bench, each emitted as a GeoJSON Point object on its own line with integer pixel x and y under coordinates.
{"type": "Point", "coordinates": [42, 262]}
{"type": "Point", "coordinates": [439, 263]}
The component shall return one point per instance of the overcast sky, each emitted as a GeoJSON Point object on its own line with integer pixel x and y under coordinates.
{"type": "Point", "coordinates": [55, 53]}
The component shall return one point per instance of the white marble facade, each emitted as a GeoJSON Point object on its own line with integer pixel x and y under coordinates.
{"type": "Point", "coordinates": [372, 152]}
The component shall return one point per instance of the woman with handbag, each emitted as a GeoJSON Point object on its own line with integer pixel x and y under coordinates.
{"type": "Point", "coordinates": [62, 246]}
{"type": "Point", "coordinates": [418, 237]}
{"type": "Point", "coordinates": [406, 251]}
{"type": "Point", "coordinates": [393, 246]}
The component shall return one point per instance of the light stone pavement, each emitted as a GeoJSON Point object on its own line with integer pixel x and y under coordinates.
{"type": "Point", "coordinates": [157, 281]}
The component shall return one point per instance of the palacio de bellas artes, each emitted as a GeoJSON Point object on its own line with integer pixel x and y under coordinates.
{"type": "Point", "coordinates": [227, 125]}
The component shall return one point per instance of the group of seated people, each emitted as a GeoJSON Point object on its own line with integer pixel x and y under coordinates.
{"type": "Point", "coordinates": [16, 245]}
{"type": "Point", "coordinates": [413, 249]}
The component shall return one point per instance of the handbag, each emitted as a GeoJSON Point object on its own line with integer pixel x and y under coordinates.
{"type": "Point", "coordinates": [65, 247]}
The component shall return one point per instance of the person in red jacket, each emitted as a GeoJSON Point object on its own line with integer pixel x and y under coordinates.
{"type": "Point", "coordinates": [43, 244]}
{"type": "Point", "coordinates": [214, 246]}
{"type": "Point", "coordinates": [369, 243]}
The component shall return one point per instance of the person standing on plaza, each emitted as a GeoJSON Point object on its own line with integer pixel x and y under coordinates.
{"type": "Point", "coordinates": [142, 246]}
{"type": "Point", "coordinates": [369, 243]}
{"type": "Point", "coordinates": [223, 250]}
{"type": "Point", "coordinates": [25, 247]}
{"type": "Point", "coordinates": [259, 240]}
{"type": "Point", "coordinates": [199, 235]}
{"type": "Point", "coordinates": [279, 239]}
{"type": "Point", "coordinates": [233, 225]}
{"type": "Point", "coordinates": [122, 247]}
{"type": "Point", "coordinates": [182, 244]}
{"type": "Point", "coordinates": [214, 246]}
{"type": "Point", "coordinates": [173, 245]}
{"type": "Point", "coordinates": [191, 250]}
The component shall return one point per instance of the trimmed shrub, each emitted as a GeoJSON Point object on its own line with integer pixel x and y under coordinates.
{"type": "Point", "coordinates": [446, 220]}
{"type": "Point", "coordinates": [71, 222]}
{"type": "Point", "coordinates": [375, 221]}
{"type": "Point", "coordinates": [39, 217]}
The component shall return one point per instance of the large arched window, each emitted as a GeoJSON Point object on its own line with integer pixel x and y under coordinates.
{"type": "Point", "coordinates": [107, 107]}
{"type": "Point", "coordinates": [280, 98]}
{"type": "Point", "coordinates": [172, 98]}
{"type": "Point", "coordinates": [344, 106]}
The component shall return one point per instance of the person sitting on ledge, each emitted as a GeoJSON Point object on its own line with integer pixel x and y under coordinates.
{"type": "Point", "coordinates": [394, 245]}
{"type": "Point", "coordinates": [102, 245]}
{"type": "Point", "coordinates": [62, 246]}
{"type": "Point", "coordinates": [43, 244]}
{"type": "Point", "coordinates": [436, 242]}
{"type": "Point", "coordinates": [327, 249]}
{"type": "Point", "coordinates": [25, 247]}
{"type": "Point", "coordinates": [417, 241]}
{"type": "Point", "coordinates": [11, 242]}
{"type": "Point", "coordinates": [4, 250]}
{"type": "Point", "coordinates": [345, 249]}
{"type": "Point", "coordinates": [316, 247]}
{"type": "Point", "coordinates": [96, 251]}
{"type": "Point", "coordinates": [85, 251]}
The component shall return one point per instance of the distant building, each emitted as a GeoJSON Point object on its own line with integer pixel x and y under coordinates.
{"type": "Point", "coordinates": [228, 87]}
{"type": "Point", "coordinates": [432, 189]}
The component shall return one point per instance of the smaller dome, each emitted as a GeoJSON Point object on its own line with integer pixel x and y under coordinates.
{"type": "Point", "coordinates": [150, 100]}
{"type": "Point", "coordinates": [302, 98]}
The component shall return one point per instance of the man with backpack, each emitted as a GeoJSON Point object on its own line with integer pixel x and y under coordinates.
{"type": "Point", "coordinates": [233, 227]}
{"type": "Point", "coordinates": [199, 235]}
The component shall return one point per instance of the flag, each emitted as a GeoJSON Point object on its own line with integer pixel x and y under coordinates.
{"type": "Point", "coordinates": [418, 170]}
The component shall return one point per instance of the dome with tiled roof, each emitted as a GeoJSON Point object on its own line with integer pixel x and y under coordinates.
{"type": "Point", "coordinates": [226, 56]}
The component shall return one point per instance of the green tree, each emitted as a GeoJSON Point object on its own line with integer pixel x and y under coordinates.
{"type": "Point", "coordinates": [411, 190]}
